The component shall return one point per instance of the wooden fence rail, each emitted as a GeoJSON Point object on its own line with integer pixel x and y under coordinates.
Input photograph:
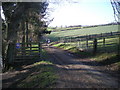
{"type": "Point", "coordinates": [93, 42]}
{"type": "Point", "coordinates": [89, 37]}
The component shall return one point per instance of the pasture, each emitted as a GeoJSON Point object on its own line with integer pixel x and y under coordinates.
{"type": "Point", "coordinates": [83, 31]}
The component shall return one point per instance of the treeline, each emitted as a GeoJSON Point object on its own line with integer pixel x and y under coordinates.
{"type": "Point", "coordinates": [100, 25]}
{"type": "Point", "coordinates": [23, 23]}
{"type": "Point", "coordinates": [74, 27]}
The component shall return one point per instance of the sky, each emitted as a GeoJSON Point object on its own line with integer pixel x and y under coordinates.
{"type": "Point", "coordinates": [81, 12]}
{"type": "Point", "coordinates": [1, 13]}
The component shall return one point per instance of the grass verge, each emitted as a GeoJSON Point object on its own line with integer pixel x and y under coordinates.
{"type": "Point", "coordinates": [43, 76]}
{"type": "Point", "coordinates": [110, 60]}
{"type": "Point", "coordinates": [36, 73]}
{"type": "Point", "coordinates": [73, 49]}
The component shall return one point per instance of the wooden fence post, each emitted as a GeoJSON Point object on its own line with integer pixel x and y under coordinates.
{"type": "Point", "coordinates": [78, 43]}
{"type": "Point", "coordinates": [70, 39]}
{"type": "Point", "coordinates": [95, 46]}
{"type": "Point", "coordinates": [40, 49]}
{"type": "Point", "coordinates": [111, 33]}
{"type": "Point", "coordinates": [30, 48]}
{"type": "Point", "coordinates": [87, 43]}
{"type": "Point", "coordinates": [101, 34]}
{"type": "Point", "coordinates": [104, 43]}
{"type": "Point", "coordinates": [81, 44]}
{"type": "Point", "coordinates": [59, 39]}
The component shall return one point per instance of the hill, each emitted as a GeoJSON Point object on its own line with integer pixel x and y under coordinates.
{"type": "Point", "coordinates": [83, 31]}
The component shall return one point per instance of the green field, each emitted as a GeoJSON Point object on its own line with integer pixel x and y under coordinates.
{"type": "Point", "coordinates": [106, 53]}
{"type": "Point", "coordinates": [83, 31]}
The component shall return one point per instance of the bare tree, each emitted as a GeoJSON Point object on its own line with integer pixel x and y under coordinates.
{"type": "Point", "coordinates": [116, 8]}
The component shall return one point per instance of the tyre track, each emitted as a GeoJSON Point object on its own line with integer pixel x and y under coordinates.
{"type": "Point", "coordinates": [78, 75]}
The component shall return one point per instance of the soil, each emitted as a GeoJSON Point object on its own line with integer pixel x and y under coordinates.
{"type": "Point", "coordinates": [73, 72]}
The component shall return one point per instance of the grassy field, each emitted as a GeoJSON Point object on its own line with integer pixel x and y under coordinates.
{"type": "Point", "coordinates": [84, 31]}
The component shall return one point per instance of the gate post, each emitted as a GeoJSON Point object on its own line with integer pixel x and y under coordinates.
{"type": "Point", "coordinates": [40, 49]}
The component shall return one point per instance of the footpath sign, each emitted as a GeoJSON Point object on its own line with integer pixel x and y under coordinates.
{"type": "Point", "coordinates": [17, 45]}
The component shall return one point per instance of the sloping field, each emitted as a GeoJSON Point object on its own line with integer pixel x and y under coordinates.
{"type": "Point", "coordinates": [84, 31]}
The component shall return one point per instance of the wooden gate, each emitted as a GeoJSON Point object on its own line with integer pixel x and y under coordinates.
{"type": "Point", "coordinates": [27, 51]}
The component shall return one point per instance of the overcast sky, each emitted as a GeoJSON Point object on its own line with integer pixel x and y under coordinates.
{"type": "Point", "coordinates": [81, 12]}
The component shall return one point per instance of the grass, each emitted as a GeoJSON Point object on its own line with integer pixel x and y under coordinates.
{"type": "Point", "coordinates": [42, 62]}
{"type": "Point", "coordinates": [84, 31]}
{"type": "Point", "coordinates": [107, 58]}
{"type": "Point", "coordinates": [43, 76]}
{"type": "Point", "coordinates": [73, 49]}
{"type": "Point", "coordinates": [110, 44]}
{"type": "Point", "coordinates": [111, 60]}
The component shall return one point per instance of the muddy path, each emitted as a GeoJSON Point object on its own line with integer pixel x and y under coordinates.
{"type": "Point", "coordinates": [74, 73]}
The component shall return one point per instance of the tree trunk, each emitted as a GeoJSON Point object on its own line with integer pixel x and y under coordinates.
{"type": "Point", "coordinates": [11, 44]}
{"type": "Point", "coordinates": [12, 38]}
{"type": "Point", "coordinates": [27, 32]}
{"type": "Point", "coordinates": [10, 52]}
{"type": "Point", "coordinates": [23, 38]}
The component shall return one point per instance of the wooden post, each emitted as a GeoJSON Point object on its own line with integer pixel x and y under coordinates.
{"type": "Point", "coordinates": [78, 43]}
{"type": "Point", "coordinates": [30, 48]}
{"type": "Point", "coordinates": [87, 43]}
{"type": "Point", "coordinates": [40, 49]}
{"type": "Point", "coordinates": [95, 46]}
{"type": "Point", "coordinates": [81, 46]}
{"type": "Point", "coordinates": [27, 33]}
{"type": "Point", "coordinates": [70, 39]}
{"type": "Point", "coordinates": [101, 35]}
{"type": "Point", "coordinates": [65, 40]}
{"type": "Point", "coordinates": [15, 52]}
{"type": "Point", "coordinates": [104, 44]}
{"type": "Point", "coordinates": [23, 38]}
{"type": "Point", "coordinates": [59, 39]}
{"type": "Point", "coordinates": [111, 33]}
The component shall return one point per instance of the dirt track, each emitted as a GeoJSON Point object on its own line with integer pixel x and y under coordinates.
{"type": "Point", "coordinates": [74, 74]}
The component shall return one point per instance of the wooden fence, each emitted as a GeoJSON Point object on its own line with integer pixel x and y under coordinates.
{"type": "Point", "coordinates": [96, 42]}
{"type": "Point", "coordinates": [27, 51]}
{"type": "Point", "coordinates": [72, 38]}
